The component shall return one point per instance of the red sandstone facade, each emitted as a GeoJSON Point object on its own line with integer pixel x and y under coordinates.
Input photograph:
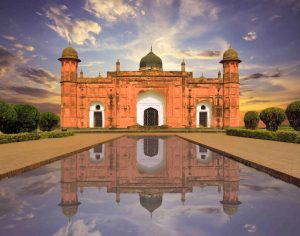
{"type": "Point", "coordinates": [149, 96]}
{"type": "Point", "coordinates": [149, 167]}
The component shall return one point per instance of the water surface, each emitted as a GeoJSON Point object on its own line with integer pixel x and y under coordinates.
{"type": "Point", "coordinates": [148, 186]}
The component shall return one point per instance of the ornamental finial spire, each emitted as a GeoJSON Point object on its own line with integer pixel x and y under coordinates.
{"type": "Point", "coordinates": [151, 48]}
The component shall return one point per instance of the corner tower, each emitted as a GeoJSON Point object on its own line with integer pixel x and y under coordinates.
{"type": "Point", "coordinates": [69, 66]}
{"type": "Point", "coordinates": [231, 88]}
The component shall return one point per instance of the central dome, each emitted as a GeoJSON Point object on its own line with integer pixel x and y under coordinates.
{"type": "Point", "coordinates": [151, 62]}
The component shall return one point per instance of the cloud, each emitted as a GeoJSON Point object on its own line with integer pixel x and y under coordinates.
{"type": "Point", "coordinates": [30, 91]}
{"type": "Point", "coordinates": [111, 10]}
{"type": "Point", "coordinates": [28, 216]}
{"type": "Point", "coordinates": [28, 48]}
{"type": "Point", "coordinates": [74, 30]}
{"type": "Point", "coordinates": [261, 188]}
{"type": "Point", "coordinates": [39, 76]}
{"type": "Point", "coordinates": [260, 75]}
{"type": "Point", "coordinates": [9, 37]}
{"type": "Point", "coordinates": [7, 61]}
{"type": "Point", "coordinates": [167, 30]}
{"type": "Point", "coordinates": [250, 36]}
{"type": "Point", "coordinates": [250, 228]}
{"type": "Point", "coordinates": [274, 17]}
{"type": "Point", "coordinates": [8, 203]}
{"type": "Point", "coordinates": [79, 227]}
{"type": "Point", "coordinates": [92, 63]}
{"type": "Point", "coordinates": [40, 187]}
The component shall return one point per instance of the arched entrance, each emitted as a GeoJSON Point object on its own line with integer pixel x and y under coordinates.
{"type": "Point", "coordinates": [96, 115]}
{"type": "Point", "coordinates": [150, 117]}
{"type": "Point", "coordinates": [203, 117]}
{"type": "Point", "coordinates": [150, 109]}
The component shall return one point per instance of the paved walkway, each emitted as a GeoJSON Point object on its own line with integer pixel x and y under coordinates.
{"type": "Point", "coordinates": [276, 158]}
{"type": "Point", "coordinates": [18, 157]}
{"type": "Point", "coordinates": [279, 159]}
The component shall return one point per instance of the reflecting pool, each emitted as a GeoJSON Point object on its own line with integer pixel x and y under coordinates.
{"type": "Point", "coordinates": [146, 185]}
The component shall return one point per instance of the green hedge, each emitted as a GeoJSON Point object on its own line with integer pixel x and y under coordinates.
{"type": "Point", "coordinates": [283, 136]}
{"type": "Point", "coordinates": [11, 138]}
{"type": "Point", "coordinates": [56, 134]}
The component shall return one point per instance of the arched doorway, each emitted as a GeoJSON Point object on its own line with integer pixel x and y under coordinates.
{"type": "Point", "coordinates": [96, 115]}
{"type": "Point", "coordinates": [150, 109]}
{"type": "Point", "coordinates": [150, 117]}
{"type": "Point", "coordinates": [203, 117]}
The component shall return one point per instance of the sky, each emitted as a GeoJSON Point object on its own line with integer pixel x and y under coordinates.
{"type": "Point", "coordinates": [266, 34]}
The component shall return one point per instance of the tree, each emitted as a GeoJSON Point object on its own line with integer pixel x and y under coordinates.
{"type": "Point", "coordinates": [293, 114]}
{"type": "Point", "coordinates": [8, 117]}
{"type": "Point", "coordinates": [27, 118]}
{"type": "Point", "coordinates": [272, 117]}
{"type": "Point", "coordinates": [251, 119]}
{"type": "Point", "coordinates": [48, 121]}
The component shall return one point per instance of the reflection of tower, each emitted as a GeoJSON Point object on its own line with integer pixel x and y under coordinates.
{"type": "Point", "coordinates": [230, 187]}
{"type": "Point", "coordinates": [69, 202]}
{"type": "Point", "coordinates": [151, 201]}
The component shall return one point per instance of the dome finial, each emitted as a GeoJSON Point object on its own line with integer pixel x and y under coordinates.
{"type": "Point", "coordinates": [151, 48]}
{"type": "Point", "coordinates": [69, 43]}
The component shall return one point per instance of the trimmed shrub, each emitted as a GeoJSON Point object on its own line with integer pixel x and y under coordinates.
{"type": "Point", "coordinates": [27, 118]}
{"type": "Point", "coordinates": [251, 119]}
{"type": "Point", "coordinates": [283, 136]}
{"type": "Point", "coordinates": [8, 117]}
{"type": "Point", "coordinates": [272, 117]}
{"type": "Point", "coordinates": [293, 114]}
{"type": "Point", "coordinates": [56, 134]}
{"type": "Point", "coordinates": [11, 138]}
{"type": "Point", "coordinates": [48, 121]}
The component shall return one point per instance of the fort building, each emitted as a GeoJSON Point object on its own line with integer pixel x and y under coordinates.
{"type": "Point", "coordinates": [149, 96]}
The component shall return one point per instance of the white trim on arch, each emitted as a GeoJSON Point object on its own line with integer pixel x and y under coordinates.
{"type": "Point", "coordinates": [207, 109]}
{"type": "Point", "coordinates": [93, 108]}
{"type": "Point", "coordinates": [150, 99]}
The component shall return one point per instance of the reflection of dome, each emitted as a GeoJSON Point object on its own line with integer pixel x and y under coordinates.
{"type": "Point", "coordinates": [69, 53]}
{"type": "Point", "coordinates": [69, 210]}
{"type": "Point", "coordinates": [231, 55]}
{"type": "Point", "coordinates": [151, 61]}
{"type": "Point", "coordinates": [150, 201]}
{"type": "Point", "coordinates": [230, 209]}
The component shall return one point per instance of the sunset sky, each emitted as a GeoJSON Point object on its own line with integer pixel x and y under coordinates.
{"type": "Point", "coordinates": [266, 33]}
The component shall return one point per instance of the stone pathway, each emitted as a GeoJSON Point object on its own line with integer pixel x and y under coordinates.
{"type": "Point", "coordinates": [18, 157]}
{"type": "Point", "coordinates": [279, 159]}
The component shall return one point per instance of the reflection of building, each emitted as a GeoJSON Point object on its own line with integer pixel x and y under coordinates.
{"type": "Point", "coordinates": [149, 167]}
{"type": "Point", "coordinates": [149, 96]}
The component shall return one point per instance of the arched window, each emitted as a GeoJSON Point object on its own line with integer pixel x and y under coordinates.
{"type": "Point", "coordinates": [97, 107]}
{"type": "Point", "coordinates": [203, 107]}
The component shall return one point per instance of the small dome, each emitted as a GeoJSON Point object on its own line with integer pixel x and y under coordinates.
{"type": "Point", "coordinates": [231, 55]}
{"type": "Point", "coordinates": [151, 62]}
{"type": "Point", "coordinates": [69, 53]}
